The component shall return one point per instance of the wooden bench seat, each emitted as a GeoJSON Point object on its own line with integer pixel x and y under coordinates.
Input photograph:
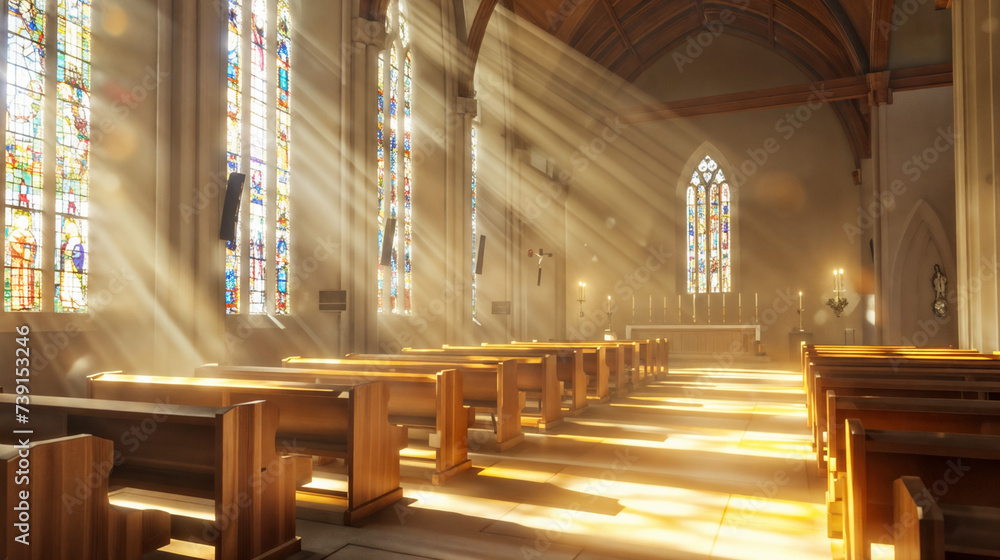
{"type": "Point", "coordinates": [348, 421]}
{"type": "Point", "coordinates": [486, 386]}
{"type": "Point", "coordinates": [225, 455]}
{"type": "Point", "coordinates": [964, 469]}
{"type": "Point", "coordinates": [896, 413]}
{"type": "Point", "coordinates": [420, 400]}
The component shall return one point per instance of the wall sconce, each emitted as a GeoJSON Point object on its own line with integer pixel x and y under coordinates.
{"type": "Point", "coordinates": [838, 302]}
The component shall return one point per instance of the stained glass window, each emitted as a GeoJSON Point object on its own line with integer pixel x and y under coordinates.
{"type": "Point", "coordinates": [259, 111]}
{"type": "Point", "coordinates": [394, 154]}
{"type": "Point", "coordinates": [284, 120]}
{"type": "Point", "coordinates": [234, 144]}
{"type": "Point", "coordinates": [25, 239]}
{"type": "Point", "coordinates": [474, 177]}
{"type": "Point", "coordinates": [708, 229]}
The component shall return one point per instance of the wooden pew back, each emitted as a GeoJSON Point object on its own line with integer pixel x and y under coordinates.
{"type": "Point", "coordinates": [223, 454]}
{"type": "Point", "coordinates": [963, 469]}
{"type": "Point", "coordinates": [349, 421]}
{"type": "Point", "coordinates": [425, 400]}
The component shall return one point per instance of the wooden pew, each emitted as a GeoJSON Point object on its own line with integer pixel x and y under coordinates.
{"type": "Point", "coordinates": [535, 374]}
{"type": "Point", "coordinates": [897, 413]}
{"type": "Point", "coordinates": [946, 388]}
{"type": "Point", "coordinates": [569, 370]}
{"type": "Point", "coordinates": [593, 367]}
{"type": "Point", "coordinates": [917, 521]}
{"type": "Point", "coordinates": [421, 400]}
{"type": "Point", "coordinates": [66, 512]}
{"type": "Point", "coordinates": [485, 386]}
{"type": "Point", "coordinates": [963, 468]}
{"type": "Point", "coordinates": [241, 493]}
{"type": "Point", "coordinates": [921, 362]}
{"type": "Point", "coordinates": [621, 359]}
{"type": "Point", "coordinates": [348, 421]}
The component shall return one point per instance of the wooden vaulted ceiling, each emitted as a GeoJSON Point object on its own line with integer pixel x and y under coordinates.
{"type": "Point", "coordinates": [840, 45]}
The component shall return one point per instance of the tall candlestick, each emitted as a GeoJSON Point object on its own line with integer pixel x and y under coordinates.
{"type": "Point", "coordinates": [723, 308]}
{"type": "Point", "coordinates": [756, 316]}
{"type": "Point", "coordinates": [739, 301]}
{"type": "Point", "coordinates": [678, 309]}
{"type": "Point", "coordinates": [709, 308]}
{"type": "Point", "coordinates": [694, 308]}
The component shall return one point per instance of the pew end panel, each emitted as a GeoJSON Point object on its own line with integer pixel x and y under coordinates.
{"type": "Point", "coordinates": [917, 520]}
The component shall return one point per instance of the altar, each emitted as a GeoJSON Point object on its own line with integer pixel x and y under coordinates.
{"type": "Point", "coordinates": [702, 340]}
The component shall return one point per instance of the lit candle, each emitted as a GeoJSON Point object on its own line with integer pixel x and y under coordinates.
{"type": "Point", "coordinates": [583, 291]}
{"type": "Point", "coordinates": [800, 300]}
{"type": "Point", "coordinates": [609, 304]}
{"type": "Point", "coordinates": [835, 282]}
{"type": "Point", "coordinates": [842, 280]}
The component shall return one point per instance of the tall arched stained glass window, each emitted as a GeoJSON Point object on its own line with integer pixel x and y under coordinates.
{"type": "Point", "coordinates": [395, 86]}
{"type": "Point", "coordinates": [259, 113]}
{"type": "Point", "coordinates": [709, 237]}
{"type": "Point", "coordinates": [30, 165]}
{"type": "Point", "coordinates": [474, 178]}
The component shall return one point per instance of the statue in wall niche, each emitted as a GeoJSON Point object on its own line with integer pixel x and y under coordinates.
{"type": "Point", "coordinates": [940, 283]}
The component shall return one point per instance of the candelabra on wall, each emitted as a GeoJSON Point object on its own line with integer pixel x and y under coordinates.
{"type": "Point", "coordinates": [838, 302]}
{"type": "Point", "coordinates": [583, 296]}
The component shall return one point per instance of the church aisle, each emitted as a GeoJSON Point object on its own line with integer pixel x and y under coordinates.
{"type": "Point", "coordinates": [707, 464]}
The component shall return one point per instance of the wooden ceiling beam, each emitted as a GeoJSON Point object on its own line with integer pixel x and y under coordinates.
{"type": "Point", "coordinates": [849, 35]}
{"type": "Point", "coordinates": [825, 91]}
{"type": "Point", "coordinates": [783, 96]}
{"type": "Point", "coordinates": [881, 31]}
{"type": "Point", "coordinates": [621, 30]}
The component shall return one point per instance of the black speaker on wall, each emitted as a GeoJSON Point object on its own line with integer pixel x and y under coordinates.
{"type": "Point", "coordinates": [387, 235]}
{"type": "Point", "coordinates": [479, 254]}
{"type": "Point", "coordinates": [231, 206]}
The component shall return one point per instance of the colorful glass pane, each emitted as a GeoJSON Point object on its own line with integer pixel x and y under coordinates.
{"type": "Point", "coordinates": [25, 143]}
{"type": "Point", "coordinates": [692, 267]}
{"type": "Point", "coordinates": [381, 177]}
{"type": "Point", "coordinates": [394, 156]}
{"type": "Point", "coordinates": [393, 168]}
{"type": "Point", "coordinates": [72, 187]}
{"type": "Point", "coordinates": [234, 146]}
{"type": "Point", "coordinates": [713, 233]}
{"type": "Point", "coordinates": [709, 220]}
{"type": "Point", "coordinates": [407, 175]}
{"type": "Point", "coordinates": [474, 149]}
{"type": "Point", "coordinates": [258, 158]}
{"type": "Point", "coordinates": [725, 217]}
{"type": "Point", "coordinates": [284, 121]}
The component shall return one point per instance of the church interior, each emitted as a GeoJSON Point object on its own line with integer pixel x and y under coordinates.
{"type": "Point", "coordinates": [510, 278]}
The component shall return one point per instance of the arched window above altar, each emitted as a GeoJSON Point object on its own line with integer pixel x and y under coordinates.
{"type": "Point", "coordinates": [708, 209]}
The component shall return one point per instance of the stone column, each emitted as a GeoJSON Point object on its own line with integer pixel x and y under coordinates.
{"type": "Point", "coordinates": [359, 199]}
{"type": "Point", "coordinates": [976, 44]}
